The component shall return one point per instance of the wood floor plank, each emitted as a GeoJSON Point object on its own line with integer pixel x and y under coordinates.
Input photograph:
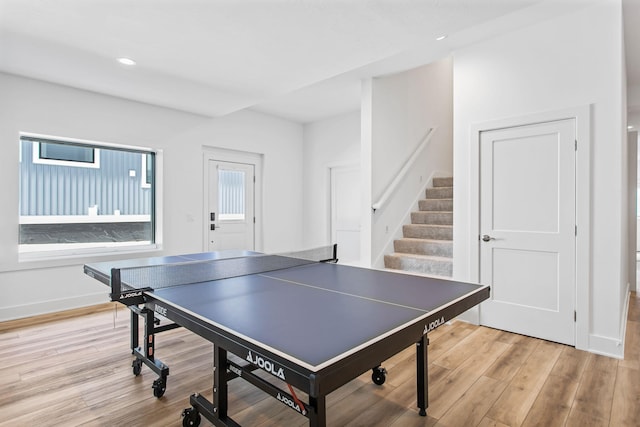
{"type": "Point", "coordinates": [438, 345]}
{"type": "Point", "coordinates": [404, 394]}
{"type": "Point", "coordinates": [350, 408]}
{"type": "Point", "coordinates": [443, 394]}
{"type": "Point", "coordinates": [632, 346]}
{"type": "Point", "coordinates": [537, 366]}
{"type": "Point", "coordinates": [383, 412]}
{"type": "Point", "coordinates": [518, 398]}
{"type": "Point", "coordinates": [465, 348]}
{"type": "Point", "coordinates": [571, 363]}
{"type": "Point", "coordinates": [553, 404]}
{"type": "Point", "coordinates": [75, 368]}
{"type": "Point", "coordinates": [625, 409]}
{"type": "Point", "coordinates": [633, 313]}
{"type": "Point", "coordinates": [508, 364]}
{"type": "Point", "coordinates": [412, 419]}
{"type": "Point", "coordinates": [578, 418]}
{"type": "Point", "coordinates": [488, 422]}
{"type": "Point", "coordinates": [601, 363]}
{"type": "Point", "coordinates": [472, 407]}
{"type": "Point", "coordinates": [595, 393]}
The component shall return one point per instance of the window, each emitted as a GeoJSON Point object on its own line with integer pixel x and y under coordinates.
{"type": "Point", "coordinates": [56, 153]}
{"type": "Point", "coordinates": [231, 195]}
{"type": "Point", "coordinates": [78, 197]}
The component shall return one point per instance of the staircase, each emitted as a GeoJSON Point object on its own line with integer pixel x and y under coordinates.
{"type": "Point", "coordinates": [427, 243]}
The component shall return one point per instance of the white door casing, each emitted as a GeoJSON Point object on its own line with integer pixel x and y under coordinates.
{"type": "Point", "coordinates": [345, 211]}
{"type": "Point", "coordinates": [528, 221]}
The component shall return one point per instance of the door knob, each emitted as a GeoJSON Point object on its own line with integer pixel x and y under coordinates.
{"type": "Point", "coordinates": [486, 238]}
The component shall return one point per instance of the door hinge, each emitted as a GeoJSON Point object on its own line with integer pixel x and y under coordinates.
{"type": "Point", "coordinates": [576, 144]}
{"type": "Point", "coordinates": [575, 316]}
{"type": "Point", "coordinates": [576, 230]}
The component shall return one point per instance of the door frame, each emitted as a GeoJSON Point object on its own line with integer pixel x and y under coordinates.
{"type": "Point", "coordinates": [331, 200]}
{"type": "Point", "coordinates": [582, 117]}
{"type": "Point", "coordinates": [232, 156]}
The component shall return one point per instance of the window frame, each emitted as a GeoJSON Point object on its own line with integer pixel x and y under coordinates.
{"type": "Point", "coordinates": [38, 159]}
{"type": "Point", "coordinates": [44, 252]}
{"type": "Point", "coordinates": [144, 182]}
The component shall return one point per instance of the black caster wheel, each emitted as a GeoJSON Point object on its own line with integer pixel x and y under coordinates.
{"type": "Point", "coordinates": [379, 375]}
{"type": "Point", "coordinates": [137, 367]}
{"type": "Point", "coordinates": [190, 417]}
{"type": "Point", "coordinates": [159, 387]}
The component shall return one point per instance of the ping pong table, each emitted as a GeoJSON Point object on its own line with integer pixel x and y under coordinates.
{"type": "Point", "coordinates": [313, 326]}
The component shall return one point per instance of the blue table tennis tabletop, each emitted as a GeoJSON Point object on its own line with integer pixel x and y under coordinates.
{"type": "Point", "coordinates": [311, 314]}
{"type": "Point", "coordinates": [315, 319]}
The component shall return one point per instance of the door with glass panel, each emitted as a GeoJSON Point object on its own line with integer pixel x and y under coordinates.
{"type": "Point", "coordinates": [231, 215]}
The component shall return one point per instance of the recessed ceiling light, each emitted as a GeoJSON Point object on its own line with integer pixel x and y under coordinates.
{"type": "Point", "coordinates": [629, 127]}
{"type": "Point", "coordinates": [126, 61]}
{"type": "Point", "coordinates": [442, 37]}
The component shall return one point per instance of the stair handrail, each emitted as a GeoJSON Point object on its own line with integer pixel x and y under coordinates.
{"type": "Point", "coordinates": [405, 169]}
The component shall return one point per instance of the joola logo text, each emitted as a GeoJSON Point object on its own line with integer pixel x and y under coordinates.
{"type": "Point", "coordinates": [266, 365]}
{"type": "Point", "coordinates": [290, 403]}
{"type": "Point", "coordinates": [160, 310]}
{"type": "Point", "coordinates": [431, 326]}
{"type": "Point", "coordinates": [131, 295]}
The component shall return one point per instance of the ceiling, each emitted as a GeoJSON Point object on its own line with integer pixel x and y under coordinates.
{"type": "Point", "coordinates": [299, 59]}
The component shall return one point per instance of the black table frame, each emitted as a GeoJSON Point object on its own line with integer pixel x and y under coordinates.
{"type": "Point", "coordinates": [316, 384]}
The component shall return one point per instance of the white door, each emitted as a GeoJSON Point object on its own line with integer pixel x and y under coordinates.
{"type": "Point", "coordinates": [345, 212]}
{"type": "Point", "coordinates": [231, 217]}
{"type": "Point", "coordinates": [527, 229]}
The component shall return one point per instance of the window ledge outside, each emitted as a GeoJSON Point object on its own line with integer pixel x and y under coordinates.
{"type": "Point", "coordinates": [81, 219]}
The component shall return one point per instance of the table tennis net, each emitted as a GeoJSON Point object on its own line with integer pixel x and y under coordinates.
{"type": "Point", "coordinates": [321, 254]}
{"type": "Point", "coordinates": [183, 273]}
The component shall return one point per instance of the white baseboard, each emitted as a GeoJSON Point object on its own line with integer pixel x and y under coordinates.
{"type": "Point", "coordinates": [612, 347]}
{"type": "Point", "coordinates": [606, 346]}
{"type": "Point", "coordinates": [51, 306]}
{"type": "Point", "coordinates": [609, 346]}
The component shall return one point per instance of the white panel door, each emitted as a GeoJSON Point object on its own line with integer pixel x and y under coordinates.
{"type": "Point", "coordinates": [527, 229]}
{"type": "Point", "coordinates": [231, 206]}
{"type": "Point", "coordinates": [345, 212]}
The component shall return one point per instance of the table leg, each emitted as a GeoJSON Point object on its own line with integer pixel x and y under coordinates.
{"type": "Point", "coordinates": [422, 374]}
{"type": "Point", "coordinates": [220, 389]}
{"type": "Point", "coordinates": [149, 333]}
{"type": "Point", "coordinates": [319, 418]}
{"type": "Point", "coordinates": [134, 331]}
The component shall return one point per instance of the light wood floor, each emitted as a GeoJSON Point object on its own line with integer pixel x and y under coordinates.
{"type": "Point", "coordinates": [74, 369]}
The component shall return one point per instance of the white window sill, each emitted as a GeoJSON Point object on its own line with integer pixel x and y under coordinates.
{"type": "Point", "coordinates": [57, 255]}
{"type": "Point", "coordinates": [82, 219]}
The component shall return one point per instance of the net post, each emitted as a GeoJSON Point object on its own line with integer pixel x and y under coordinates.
{"type": "Point", "coordinates": [334, 254]}
{"type": "Point", "coordinates": [116, 284]}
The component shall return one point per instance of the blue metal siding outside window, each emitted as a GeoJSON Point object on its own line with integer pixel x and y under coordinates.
{"type": "Point", "coordinates": [109, 193]}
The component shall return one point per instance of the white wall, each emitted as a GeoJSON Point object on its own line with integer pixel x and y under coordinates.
{"type": "Point", "coordinates": [569, 61]}
{"type": "Point", "coordinates": [38, 107]}
{"type": "Point", "coordinates": [404, 107]}
{"type": "Point", "coordinates": [632, 191]}
{"type": "Point", "coordinates": [327, 143]}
